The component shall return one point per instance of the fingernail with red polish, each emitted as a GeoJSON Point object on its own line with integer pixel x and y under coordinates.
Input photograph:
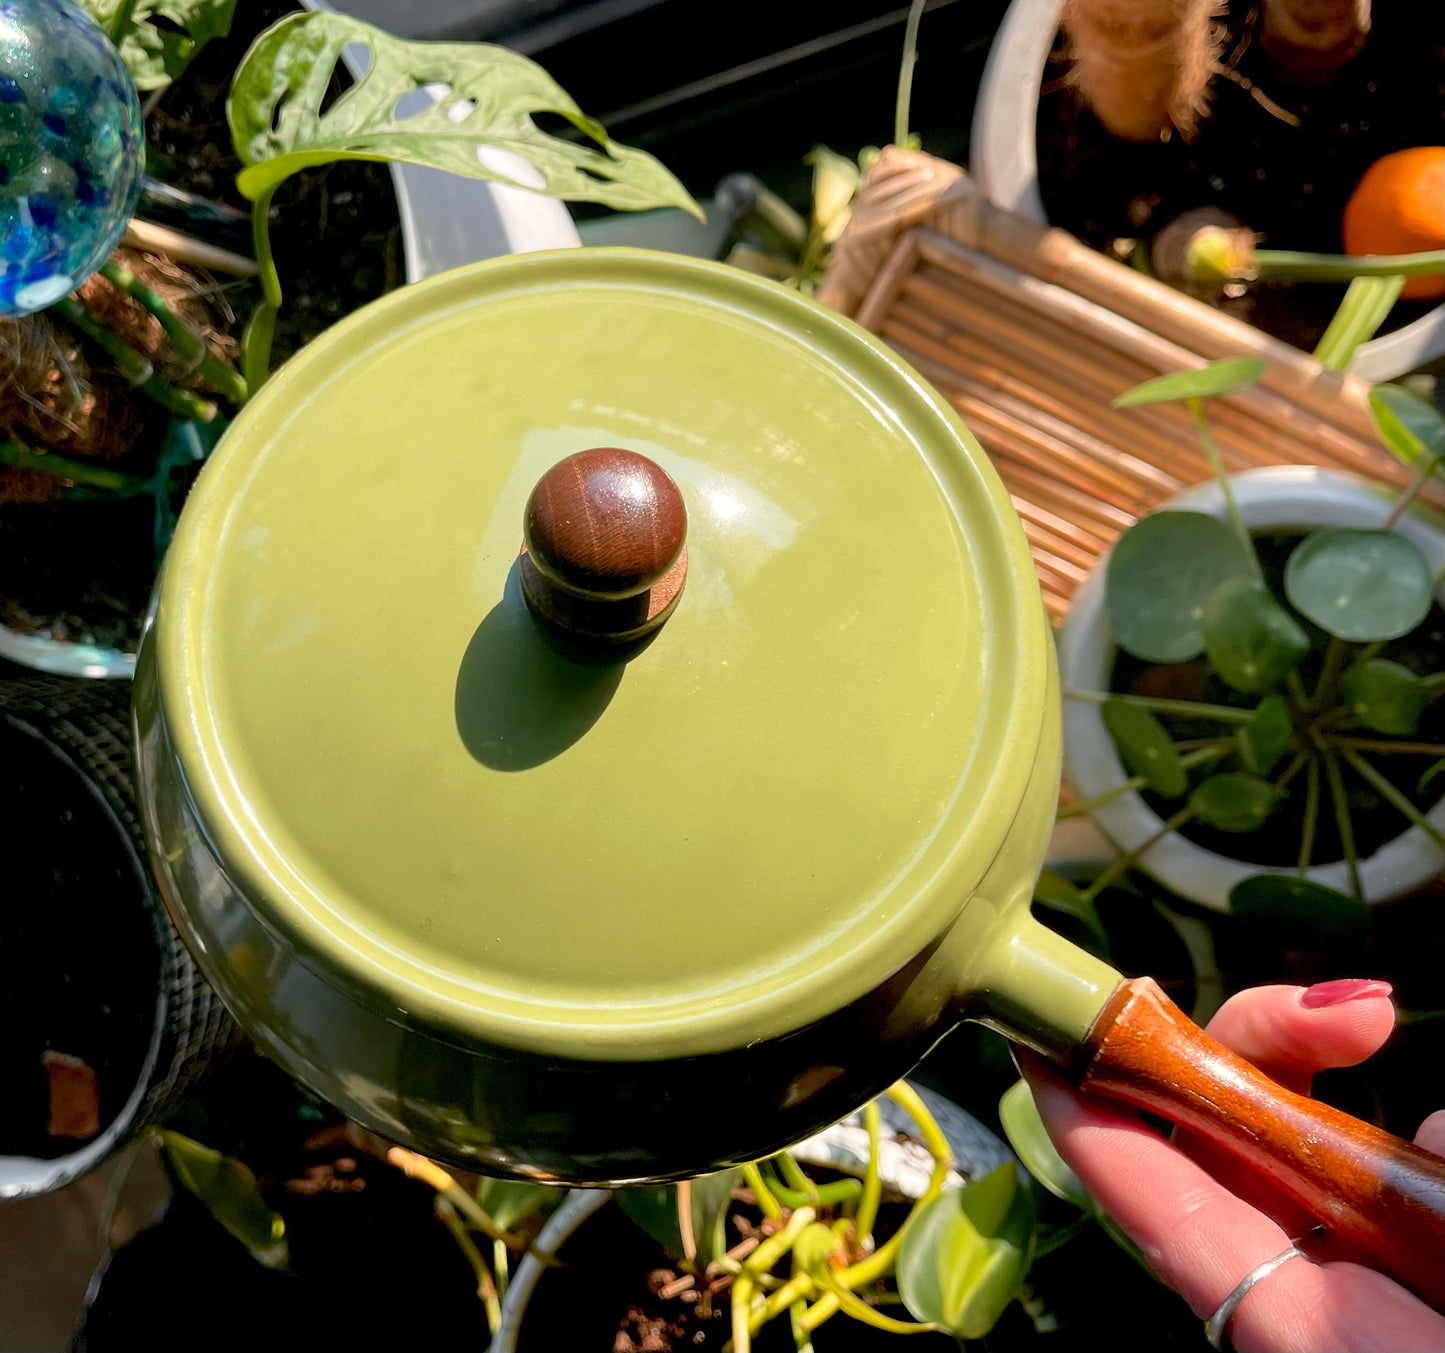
{"type": "Point", "coordinates": [1324, 994]}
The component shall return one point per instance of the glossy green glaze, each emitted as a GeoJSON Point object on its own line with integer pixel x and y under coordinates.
{"type": "Point", "coordinates": [414, 810]}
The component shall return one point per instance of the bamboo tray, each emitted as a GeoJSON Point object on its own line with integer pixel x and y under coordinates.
{"type": "Point", "coordinates": [1030, 334]}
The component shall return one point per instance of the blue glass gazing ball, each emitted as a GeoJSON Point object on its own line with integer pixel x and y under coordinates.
{"type": "Point", "coordinates": [71, 143]}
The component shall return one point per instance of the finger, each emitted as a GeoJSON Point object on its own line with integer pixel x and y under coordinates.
{"type": "Point", "coordinates": [1192, 1230]}
{"type": "Point", "coordinates": [1292, 1032]}
{"type": "Point", "coordinates": [1202, 1239]}
{"type": "Point", "coordinates": [1432, 1133]}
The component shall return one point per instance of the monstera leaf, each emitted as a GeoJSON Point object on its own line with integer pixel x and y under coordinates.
{"type": "Point", "coordinates": [280, 122]}
{"type": "Point", "coordinates": [155, 54]}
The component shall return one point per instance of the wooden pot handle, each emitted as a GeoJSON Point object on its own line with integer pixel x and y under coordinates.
{"type": "Point", "coordinates": [1383, 1197]}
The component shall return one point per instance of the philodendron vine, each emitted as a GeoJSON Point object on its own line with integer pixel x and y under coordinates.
{"type": "Point", "coordinates": [1185, 585]}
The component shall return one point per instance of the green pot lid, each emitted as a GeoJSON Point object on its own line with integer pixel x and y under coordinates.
{"type": "Point", "coordinates": [779, 800]}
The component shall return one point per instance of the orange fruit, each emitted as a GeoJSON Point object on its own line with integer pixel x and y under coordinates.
{"type": "Point", "coordinates": [1398, 207]}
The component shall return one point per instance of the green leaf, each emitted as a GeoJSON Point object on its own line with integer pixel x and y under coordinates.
{"type": "Point", "coordinates": [1291, 913]}
{"type": "Point", "coordinates": [1146, 748]}
{"type": "Point", "coordinates": [1160, 575]}
{"type": "Point", "coordinates": [229, 1191]}
{"type": "Point", "coordinates": [1366, 305]}
{"type": "Point", "coordinates": [658, 1212]}
{"type": "Point", "coordinates": [1385, 696]}
{"type": "Point", "coordinates": [509, 1201]}
{"type": "Point", "coordinates": [1249, 638]}
{"type": "Point", "coordinates": [1031, 1142]}
{"type": "Point", "coordinates": [1218, 378]}
{"type": "Point", "coordinates": [1265, 738]}
{"type": "Point", "coordinates": [1055, 893]}
{"type": "Point", "coordinates": [1361, 586]}
{"type": "Point", "coordinates": [154, 55]}
{"type": "Point", "coordinates": [1234, 801]}
{"type": "Point", "coordinates": [965, 1256]}
{"type": "Point", "coordinates": [278, 124]}
{"type": "Point", "coordinates": [1410, 426]}
{"type": "Point", "coordinates": [1432, 773]}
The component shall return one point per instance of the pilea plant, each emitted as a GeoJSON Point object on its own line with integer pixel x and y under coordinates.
{"type": "Point", "coordinates": [1310, 651]}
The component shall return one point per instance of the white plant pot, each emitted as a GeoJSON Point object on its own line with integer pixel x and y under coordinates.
{"type": "Point", "coordinates": [1278, 498]}
{"type": "Point", "coordinates": [447, 220]}
{"type": "Point", "coordinates": [1003, 159]}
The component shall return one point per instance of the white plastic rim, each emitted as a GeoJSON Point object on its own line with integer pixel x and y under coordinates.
{"type": "Point", "coordinates": [1291, 497]}
{"type": "Point", "coordinates": [1003, 159]}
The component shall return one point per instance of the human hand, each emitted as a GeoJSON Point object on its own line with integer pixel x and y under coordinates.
{"type": "Point", "coordinates": [1203, 1224]}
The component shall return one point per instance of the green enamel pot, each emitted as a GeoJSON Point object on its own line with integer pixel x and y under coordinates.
{"type": "Point", "coordinates": [606, 910]}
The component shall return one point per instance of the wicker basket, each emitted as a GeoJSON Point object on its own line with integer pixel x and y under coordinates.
{"type": "Point", "coordinates": [1030, 334]}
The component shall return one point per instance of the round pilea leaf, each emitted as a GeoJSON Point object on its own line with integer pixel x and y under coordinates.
{"type": "Point", "coordinates": [1265, 738]}
{"type": "Point", "coordinates": [1160, 574]}
{"type": "Point", "coordinates": [1234, 801]}
{"type": "Point", "coordinates": [1145, 747]}
{"type": "Point", "coordinates": [1385, 696]}
{"type": "Point", "coordinates": [1249, 638]}
{"type": "Point", "coordinates": [1299, 914]}
{"type": "Point", "coordinates": [1361, 586]}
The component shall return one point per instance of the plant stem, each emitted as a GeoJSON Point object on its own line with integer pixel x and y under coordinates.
{"type": "Point", "coordinates": [1367, 302]}
{"type": "Point", "coordinates": [1380, 745]}
{"type": "Point", "coordinates": [1162, 705]}
{"type": "Point", "coordinates": [1202, 756]}
{"type": "Point", "coordinates": [1296, 687]}
{"type": "Point", "coordinates": [1288, 264]}
{"type": "Point", "coordinates": [1422, 477]}
{"type": "Point", "coordinates": [1342, 819]}
{"type": "Point", "coordinates": [1301, 759]}
{"type": "Point", "coordinates": [486, 1288]}
{"type": "Point", "coordinates": [62, 467]}
{"type": "Point", "coordinates": [1311, 816]}
{"type": "Point", "coordinates": [1129, 859]}
{"type": "Point", "coordinates": [767, 1204]}
{"type": "Point", "coordinates": [813, 1195]}
{"type": "Point", "coordinates": [416, 1166]}
{"type": "Point", "coordinates": [135, 366]}
{"type": "Point", "coordinates": [793, 1173]}
{"type": "Point", "coordinates": [905, 75]}
{"type": "Point", "coordinates": [261, 328]}
{"type": "Point", "coordinates": [191, 347]}
{"type": "Point", "coordinates": [1216, 461]}
{"type": "Point", "coordinates": [120, 21]}
{"type": "Point", "coordinates": [802, 1340]}
{"type": "Point", "coordinates": [1328, 685]}
{"type": "Point", "coordinates": [872, 1182]}
{"type": "Point", "coordinates": [502, 1266]}
{"type": "Point", "coordinates": [1387, 791]}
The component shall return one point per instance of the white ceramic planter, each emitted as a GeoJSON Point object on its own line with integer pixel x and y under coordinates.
{"type": "Point", "coordinates": [1003, 159]}
{"type": "Point", "coordinates": [1287, 497]}
{"type": "Point", "coordinates": [447, 220]}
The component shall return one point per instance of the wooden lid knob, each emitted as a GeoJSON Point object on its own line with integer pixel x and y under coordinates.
{"type": "Point", "coordinates": [603, 545]}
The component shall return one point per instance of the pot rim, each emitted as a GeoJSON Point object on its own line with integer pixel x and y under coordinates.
{"type": "Point", "coordinates": [1003, 158]}
{"type": "Point", "coordinates": [1275, 496]}
{"type": "Point", "coordinates": [997, 770]}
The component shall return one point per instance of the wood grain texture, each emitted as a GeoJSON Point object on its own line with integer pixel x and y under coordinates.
{"type": "Point", "coordinates": [605, 523]}
{"type": "Point", "coordinates": [603, 552]}
{"type": "Point", "coordinates": [1383, 1197]}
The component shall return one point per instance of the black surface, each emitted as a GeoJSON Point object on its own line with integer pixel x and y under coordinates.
{"type": "Point", "coordinates": [77, 942]}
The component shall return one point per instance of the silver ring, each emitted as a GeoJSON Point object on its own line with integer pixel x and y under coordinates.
{"type": "Point", "coordinates": [1215, 1326]}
